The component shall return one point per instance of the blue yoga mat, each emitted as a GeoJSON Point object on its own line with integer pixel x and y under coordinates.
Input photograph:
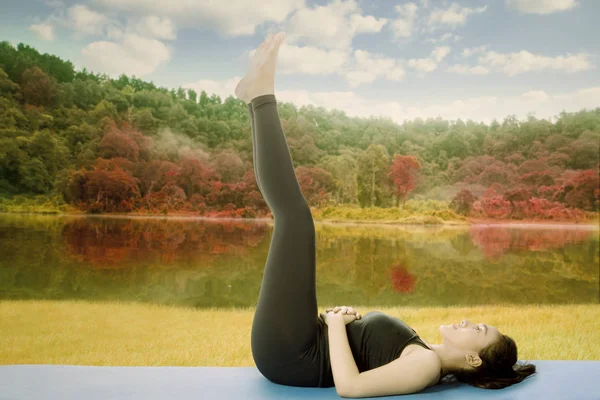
{"type": "Point", "coordinates": [564, 380]}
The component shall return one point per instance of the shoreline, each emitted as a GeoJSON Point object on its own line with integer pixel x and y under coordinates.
{"type": "Point", "coordinates": [469, 221]}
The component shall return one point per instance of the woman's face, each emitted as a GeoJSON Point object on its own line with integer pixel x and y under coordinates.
{"type": "Point", "coordinates": [469, 336]}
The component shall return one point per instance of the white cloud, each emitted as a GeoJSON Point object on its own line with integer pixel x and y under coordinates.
{"type": "Point", "coordinates": [452, 16]}
{"type": "Point", "coordinates": [521, 62]}
{"type": "Point", "coordinates": [541, 6]}
{"type": "Point", "coordinates": [86, 21]}
{"type": "Point", "coordinates": [134, 55]}
{"type": "Point", "coordinates": [366, 23]}
{"type": "Point", "coordinates": [44, 31]}
{"type": "Point", "coordinates": [422, 64]}
{"type": "Point", "coordinates": [472, 50]}
{"type": "Point", "coordinates": [535, 95]}
{"type": "Point", "coordinates": [582, 98]}
{"type": "Point", "coordinates": [439, 53]}
{"type": "Point", "coordinates": [404, 24]}
{"type": "Point", "coordinates": [132, 50]}
{"type": "Point", "coordinates": [356, 67]}
{"type": "Point", "coordinates": [308, 60]}
{"type": "Point", "coordinates": [230, 18]}
{"type": "Point", "coordinates": [332, 26]}
{"type": "Point", "coordinates": [468, 70]}
{"type": "Point", "coordinates": [156, 27]}
{"type": "Point", "coordinates": [485, 108]}
{"type": "Point", "coordinates": [430, 63]}
{"type": "Point", "coordinates": [114, 32]}
{"type": "Point", "coordinates": [369, 66]}
{"type": "Point", "coordinates": [518, 63]}
{"type": "Point", "coordinates": [223, 88]}
{"type": "Point", "coordinates": [448, 36]}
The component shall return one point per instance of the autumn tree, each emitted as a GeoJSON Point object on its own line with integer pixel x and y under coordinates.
{"type": "Point", "coordinates": [115, 143]}
{"type": "Point", "coordinates": [111, 191]}
{"type": "Point", "coordinates": [404, 172]}
{"type": "Point", "coordinates": [462, 203]}
{"type": "Point", "coordinates": [517, 198]}
{"type": "Point", "coordinates": [316, 185]}
{"type": "Point", "coordinates": [38, 88]}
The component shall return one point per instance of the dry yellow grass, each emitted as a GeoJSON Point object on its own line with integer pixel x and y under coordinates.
{"type": "Point", "coordinates": [126, 334]}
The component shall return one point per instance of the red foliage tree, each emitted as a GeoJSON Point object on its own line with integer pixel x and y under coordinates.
{"type": "Point", "coordinates": [103, 164]}
{"type": "Point", "coordinates": [471, 168]}
{"type": "Point", "coordinates": [316, 185]}
{"type": "Point", "coordinates": [532, 166]}
{"type": "Point", "coordinates": [403, 174]}
{"type": "Point", "coordinates": [462, 203]}
{"type": "Point", "coordinates": [498, 172]}
{"type": "Point", "coordinates": [175, 197]}
{"type": "Point", "coordinates": [154, 175]}
{"type": "Point", "coordinates": [536, 179]}
{"type": "Point", "coordinates": [514, 158]}
{"type": "Point", "coordinates": [557, 159]}
{"type": "Point", "coordinates": [115, 143]}
{"type": "Point", "coordinates": [144, 143]}
{"type": "Point", "coordinates": [228, 193]}
{"type": "Point", "coordinates": [578, 189]}
{"type": "Point", "coordinates": [196, 203]}
{"type": "Point", "coordinates": [111, 191]}
{"type": "Point", "coordinates": [494, 190]}
{"type": "Point", "coordinates": [583, 190]}
{"type": "Point", "coordinates": [492, 205]}
{"type": "Point", "coordinates": [195, 177]}
{"type": "Point", "coordinates": [516, 197]}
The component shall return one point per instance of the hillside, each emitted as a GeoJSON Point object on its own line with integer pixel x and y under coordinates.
{"type": "Point", "coordinates": [124, 145]}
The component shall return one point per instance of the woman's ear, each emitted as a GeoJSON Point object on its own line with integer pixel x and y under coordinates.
{"type": "Point", "coordinates": [473, 359]}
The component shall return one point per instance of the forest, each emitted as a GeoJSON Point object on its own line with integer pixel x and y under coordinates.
{"type": "Point", "coordinates": [105, 145]}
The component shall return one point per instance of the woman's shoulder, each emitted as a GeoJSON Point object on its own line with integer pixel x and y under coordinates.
{"type": "Point", "coordinates": [427, 360]}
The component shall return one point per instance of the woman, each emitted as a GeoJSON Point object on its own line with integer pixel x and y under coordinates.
{"type": "Point", "coordinates": [374, 355]}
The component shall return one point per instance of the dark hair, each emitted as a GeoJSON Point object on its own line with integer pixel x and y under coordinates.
{"type": "Point", "coordinates": [498, 369]}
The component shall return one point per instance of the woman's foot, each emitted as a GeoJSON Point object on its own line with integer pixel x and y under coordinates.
{"type": "Point", "coordinates": [260, 78]}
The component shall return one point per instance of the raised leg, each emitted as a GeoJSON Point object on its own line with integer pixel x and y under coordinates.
{"type": "Point", "coordinates": [285, 322]}
{"type": "Point", "coordinates": [254, 157]}
{"type": "Point", "coordinates": [286, 327]}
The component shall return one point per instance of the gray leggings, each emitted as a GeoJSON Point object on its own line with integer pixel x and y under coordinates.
{"type": "Point", "coordinates": [285, 328]}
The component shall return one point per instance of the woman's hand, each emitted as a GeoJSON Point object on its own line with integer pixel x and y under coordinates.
{"type": "Point", "coordinates": [348, 314]}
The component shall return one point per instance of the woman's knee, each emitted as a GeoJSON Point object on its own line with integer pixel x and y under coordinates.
{"type": "Point", "coordinates": [294, 373]}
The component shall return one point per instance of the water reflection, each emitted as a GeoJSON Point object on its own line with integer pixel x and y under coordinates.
{"type": "Point", "coordinates": [203, 263]}
{"type": "Point", "coordinates": [118, 243]}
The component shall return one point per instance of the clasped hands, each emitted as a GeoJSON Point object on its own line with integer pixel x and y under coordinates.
{"type": "Point", "coordinates": [347, 314]}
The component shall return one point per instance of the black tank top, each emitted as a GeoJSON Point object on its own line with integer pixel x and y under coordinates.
{"type": "Point", "coordinates": [375, 340]}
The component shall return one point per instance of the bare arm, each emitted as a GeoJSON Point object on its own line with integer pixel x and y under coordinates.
{"type": "Point", "coordinates": [409, 374]}
{"type": "Point", "coordinates": [343, 366]}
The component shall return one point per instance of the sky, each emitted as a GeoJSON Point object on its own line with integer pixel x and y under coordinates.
{"type": "Point", "coordinates": [466, 59]}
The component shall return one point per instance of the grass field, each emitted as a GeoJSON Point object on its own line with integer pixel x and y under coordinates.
{"type": "Point", "coordinates": [135, 334]}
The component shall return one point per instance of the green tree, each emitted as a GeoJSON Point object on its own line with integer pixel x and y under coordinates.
{"type": "Point", "coordinates": [371, 176]}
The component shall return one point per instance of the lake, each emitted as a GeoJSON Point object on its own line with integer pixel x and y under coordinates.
{"type": "Point", "coordinates": [197, 262]}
